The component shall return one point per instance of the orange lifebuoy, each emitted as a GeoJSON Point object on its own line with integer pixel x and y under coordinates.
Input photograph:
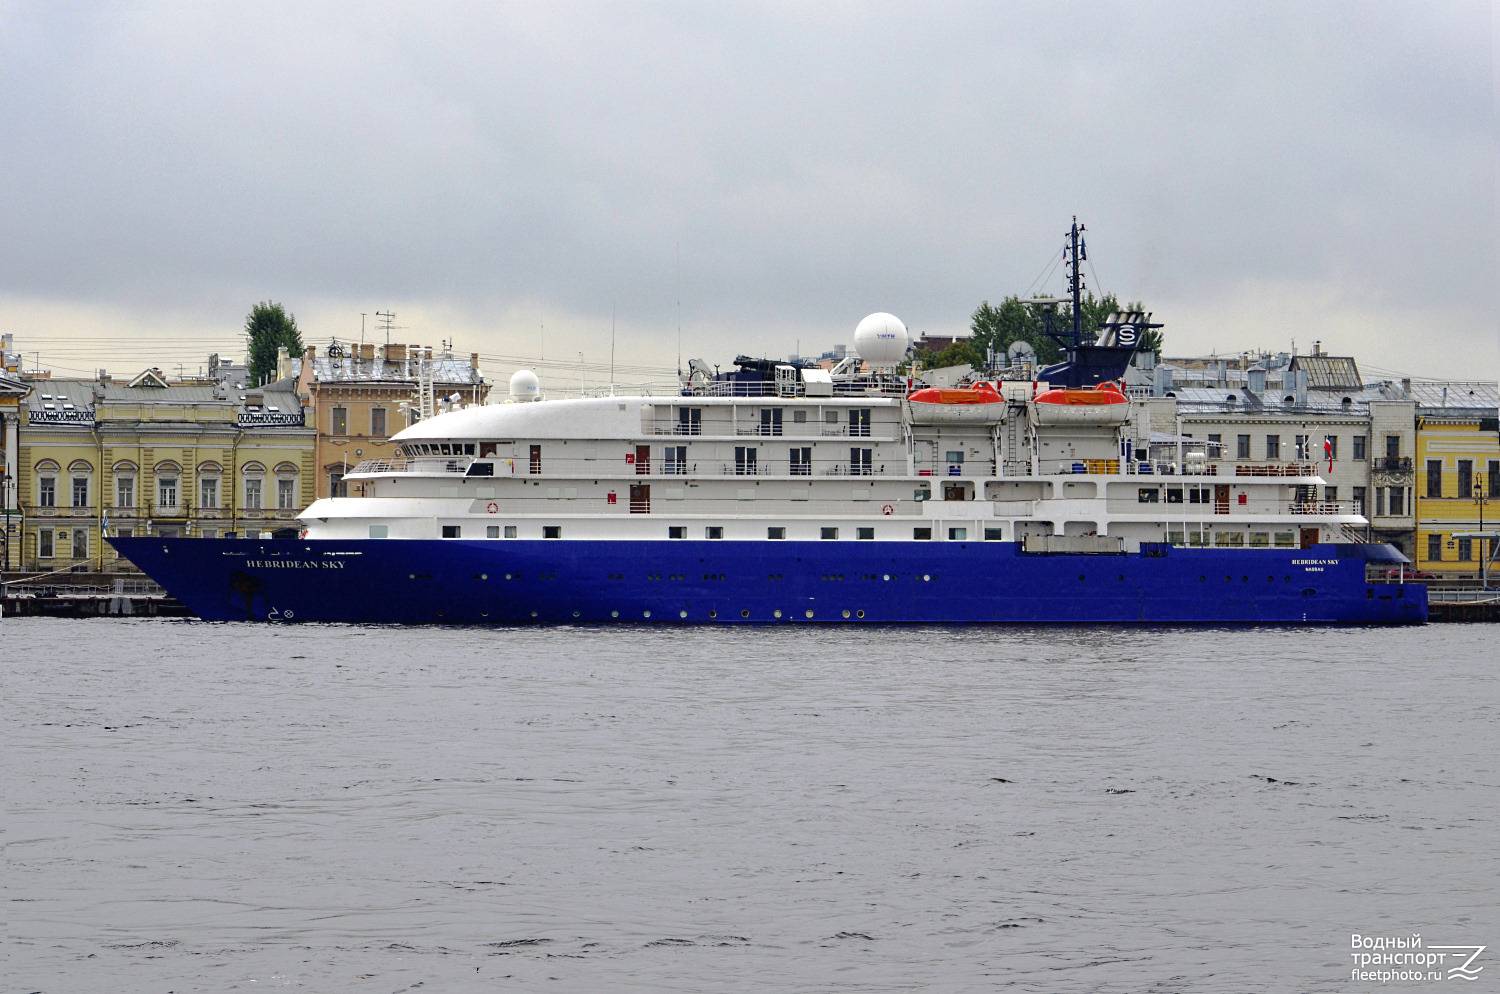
{"type": "Point", "coordinates": [888, 509]}
{"type": "Point", "coordinates": [492, 507]}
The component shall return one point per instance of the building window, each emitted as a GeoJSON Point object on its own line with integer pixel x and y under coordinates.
{"type": "Point", "coordinates": [861, 462]}
{"type": "Point", "coordinates": [744, 460]}
{"type": "Point", "coordinates": [44, 548]}
{"type": "Point", "coordinates": [1242, 446]}
{"type": "Point", "coordinates": [124, 491]}
{"type": "Point", "coordinates": [336, 485]}
{"type": "Point", "coordinates": [1359, 500]}
{"type": "Point", "coordinates": [1304, 448]}
{"type": "Point", "coordinates": [80, 491]}
{"type": "Point", "coordinates": [1465, 479]}
{"type": "Point", "coordinates": [828, 534]}
{"type": "Point", "coordinates": [377, 421]}
{"type": "Point", "coordinates": [1435, 547]}
{"type": "Point", "coordinates": [80, 543]}
{"type": "Point", "coordinates": [166, 491]}
{"type": "Point", "coordinates": [1398, 502]}
{"type": "Point", "coordinates": [1330, 446]}
{"type": "Point", "coordinates": [286, 494]}
{"type": "Point", "coordinates": [208, 493]}
{"type": "Point", "coordinates": [46, 491]}
{"type": "Point", "coordinates": [252, 493]}
{"type": "Point", "coordinates": [340, 421]}
{"type": "Point", "coordinates": [1434, 478]}
{"type": "Point", "coordinates": [1393, 446]}
{"type": "Point", "coordinates": [1379, 501]}
{"type": "Point", "coordinates": [1215, 445]}
{"type": "Point", "coordinates": [776, 532]}
{"type": "Point", "coordinates": [1273, 446]}
{"type": "Point", "coordinates": [1359, 446]}
{"type": "Point", "coordinates": [802, 461]}
{"type": "Point", "coordinates": [1466, 550]}
{"type": "Point", "coordinates": [674, 460]}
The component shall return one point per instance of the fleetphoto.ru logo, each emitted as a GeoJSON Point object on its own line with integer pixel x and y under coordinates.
{"type": "Point", "coordinates": [1385, 960]}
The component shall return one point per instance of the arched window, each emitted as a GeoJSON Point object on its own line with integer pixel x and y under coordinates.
{"type": "Point", "coordinates": [254, 475]}
{"type": "Point", "coordinates": [336, 485]}
{"type": "Point", "coordinates": [209, 474]}
{"type": "Point", "coordinates": [124, 474]}
{"type": "Point", "coordinates": [46, 483]}
{"type": "Point", "coordinates": [80, 479]}
{"type": "Point", "coordinates": [168, 485]}
{"type": "Point", "coordinates": [286, 487]}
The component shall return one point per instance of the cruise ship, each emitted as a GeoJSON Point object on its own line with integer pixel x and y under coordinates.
{"type": "Point", "coordinates": [781, 492]}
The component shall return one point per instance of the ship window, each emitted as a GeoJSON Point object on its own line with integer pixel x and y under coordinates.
{"type": "Point", "coordinates": [799, 417]}
{"type": "Point", "coordinates": [831, 417]}
{"type": "Point", "coordinates": [491, 531]}
{"type": "Point", "coordinates": [955, 456]}
{"type": "Point", "coordinates": [452, 531]}
{"type": "Point", "coordinates": [1174, 538]}
{"type": "Point", "coordinates": [1197, 495]}
{"type": "Point", "coordinates": [1174, 495]}
{"type": "Point", "coordinates": [830, 533]}
{"type": "Point", "coordinates": [1229, 538]}
{"type": "Point", "coordinates": [866, 534]}
{"type": "Point", "coordinates": [380, 531]}
{"type": "Point", "coordinates": [1260, 540]}
{"type": "Point", "coordinates": [510, 531]}
{"type": "Point", "coordinates": [713, 531]}
{"type": "Point", "coordinates": [921, 534]}
{"type": "Point", "coordinates": [993, 535]}
{"type": "Point", "coordinates": [958, 534]}
{"type": "Point", "coordinates": [552, 531]}
{"type": "Point", "coordinates": [1286, 540]}
{"type": "Point", "coordinates": [677, 531]}
{"type": "Point", "coordinates": [1148, 495]}
{"type": "Point", "coordinates": [468, 448]}
{"type": "Point", "coordinates": [776, 532]}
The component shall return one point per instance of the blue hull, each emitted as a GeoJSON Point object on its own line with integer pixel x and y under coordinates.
{"type": "Point", "coordinates": [560, 582]}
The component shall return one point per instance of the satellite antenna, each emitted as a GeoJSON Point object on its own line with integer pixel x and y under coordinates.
{"type": "Point", "coordinates": [1021, 351]}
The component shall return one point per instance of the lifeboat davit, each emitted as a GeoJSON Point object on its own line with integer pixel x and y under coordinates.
{"type": "Point", "coordinates": [979, 404]}
{"type": "Point", "coordinates": [1105, 404]}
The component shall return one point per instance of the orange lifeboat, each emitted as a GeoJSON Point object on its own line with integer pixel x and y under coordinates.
{"type": "Point", "coordinates": [1101, 405]}
{"type": "Point", "coordinates": [979, 404]}
{"type": "Point", "coordinates": [980, 393]}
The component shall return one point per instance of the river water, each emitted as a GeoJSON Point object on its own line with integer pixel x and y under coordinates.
{"type": "Point", "coordinates": [212, 807]}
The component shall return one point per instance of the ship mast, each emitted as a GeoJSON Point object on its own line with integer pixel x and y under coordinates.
{"type": "Point", "coordinates": [1077, 252]}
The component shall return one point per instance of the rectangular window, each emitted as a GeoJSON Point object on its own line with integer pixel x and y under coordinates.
{"type": "Point", "coordinates": [552, 531]}
{"type": "Point", "coordinates": [208, 492]}
{"type": "Point", "coordinates": [1393, 446]}
{"type": "Point", "coordinates": [1197, 495]}
{"type": "Point", "coordinates": [831, 417]}
{"type": "Point", "coordinates": [861, 462]}
{"type": "Point", "coordinates": [690, 421]}
{"type": "Point", "coordinates": [80, 491]}
{"type": "Point", "coordinates": [208, 533]}
{"type": "Point", "coordinates": [830, 534]}
{"type": "Point", "coordinates": [922, 534]}
{"type": "Point", "coordinates": [252, 493]}
{"type": "Point", "coordinates": [677, 531]}
{"type": "Point", "coordinates": [770, 421]}
{"type": "Point", "coordinates": [1380, 502]}
{"type": "Point", "coordinates": [1359, 500]}
{"type": "Point", "coordinates": [802, 461]}
{"type": "Point", "coordinates": [1242, 446]}
{"type": "Point", "coordinates": [713, 531]}
{"type": "Point", "coordinates": [958, 534]}
{"type": "Point", "coordinates": [340, 421]}
{"type": "Point", "coordinates": [286, 495]}
{"type": "Point", "coordinates": [1260, 540]}
{"type": "Point", "coordinates": [336, 485]}
{"type": "Point", "coordinates": [1148, 495]}
{"type": "Point", "coordinates": [166, 491]}
{"type": "Point", "coordinates": [536, 459]}
{"type": "Point", "coordinates": [776, 532]}
{"type": "Point", "coordinates": [1273, 446]}
{"type": "Point", "coordinates": [1330, 493]}
{"type": "Point", "coordinates": [377, 421]}
{"type": "Point", "coordinates": [859, 422]}
{"type": "Point", "coordinates": [44, 547]}
{"type": "Point", "coordinates": [1465, 550]}
{"type": "Point", "coordinates": [1215, 445]}
{"type": "Point", "coordinates": [380, 531]}
{"type": "Point", "coordinates": [993, 534]}
{"type": "Point", "coordinates": [491, 531]}
{"type": "Point", "coordinates": [744, 460]}
{"type": "Point", "coordinates": [1174, 495]}
{"type": "Point", "coordinates": [125, 491]}
{"type": "Point", "coordinates": [510, 531]}
{"type": "Point", "coordinates": [1494, 477]}
{"type": "Point", "coordinates": [674, 460]}
{"type": "Point", "coordinates": [1435, 547]}
{"type": "Point", "coordinates": [1286, 540]}
{"type": "Point", "coordinates": [1330, 446]}
{"type": "Point", "coordinates": [954, 457]}
{"type": "Point", "coordinates": [1359, 447]}
{"type": "Point", "coordinates": [1434, 478]}
{"type": "Point", "coordinates": [1398, 502]}
{"type": "Point", "coordinates": [46, 491]}
{"type": "Point", "coordinates": [799, 417]}
{"type": "Point", "coordinates": [865, 534]}
{"type": "Point", "coordinates": [452, 531]}
{"type": "Point", "coordinates": [1465, 480]}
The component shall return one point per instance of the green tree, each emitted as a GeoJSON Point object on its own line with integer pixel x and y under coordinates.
{"type": "Point", "coordinates": [269, 327]}
{"type": "Point", "coordinates": [1015, 320]}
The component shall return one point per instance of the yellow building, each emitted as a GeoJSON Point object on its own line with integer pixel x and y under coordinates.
{"type": "Point", "coordinates": [360, 395]}
{"type": "Point", "coordinates": [148, 458]}
{"type": "Point", "coordinates": [1458, 470]}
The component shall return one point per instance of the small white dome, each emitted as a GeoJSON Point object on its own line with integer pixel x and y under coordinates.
{"type": "Point", "coordinates": [524, 386]}
{"type": "Point", "coordinates": [881, 340]}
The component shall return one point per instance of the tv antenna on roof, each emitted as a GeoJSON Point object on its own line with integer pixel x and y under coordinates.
{"type": "Point", "coordinates": [387, 323]}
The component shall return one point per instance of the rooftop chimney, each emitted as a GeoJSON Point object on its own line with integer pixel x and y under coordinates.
{"type": "Point", "coordinates": [473, 360]}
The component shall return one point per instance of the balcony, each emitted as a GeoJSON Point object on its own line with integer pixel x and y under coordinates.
{"type": "Point", "coordinates": [1394, 464]}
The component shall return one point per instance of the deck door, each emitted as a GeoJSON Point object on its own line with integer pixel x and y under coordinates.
{"type": "Point", "coordinates": [643, 460]}
{"type": "Point", "coordinates": [640, 498]}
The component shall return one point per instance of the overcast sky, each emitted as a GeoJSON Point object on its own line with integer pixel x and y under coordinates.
{"type": "Point", "coordinates": [1255, 173]}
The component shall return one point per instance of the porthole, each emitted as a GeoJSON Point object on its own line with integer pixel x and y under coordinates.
{"type": "Point", "coordinates": [533, 614]}
{"type": "Point", "coordinates": [859, 614]}
{"type": "Point", "coordinates": [645, 614]}
{"type": "Point", "coordinates": [411, 576]}
{"type": "Point", "coordinates": [576, 612]}
{"type": "Point", "coordinates": [713, 614]}
{"type": "Point", "coordinates": [744, 614]}
{"type": "Point", "coordinates": [776, 613]}
{"type": "Point", "coordinates": [484, 576]}
{"type": "Point", "coordinates": [614, 614]}
{"type": "Point", "coordinates": [888, 576]}
{"type": "Point", "coordinates": [682, 614]}
{"type": "Point", "coordinates": [809, 614]}
{"type": "Point", "coordinates": [484, 614]}
{"type": "Point", "coordinates": [1080, 577]}
{"type": "Point", "coordinates": [926, 576]}
{"type": "Point", "coordinates": [507, 576]}
{"type": "Point", "coordinates": [846, 614]}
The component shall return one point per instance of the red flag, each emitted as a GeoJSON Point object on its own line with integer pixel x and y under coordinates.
{"type": "Point", "coordinates": [1328, 451]}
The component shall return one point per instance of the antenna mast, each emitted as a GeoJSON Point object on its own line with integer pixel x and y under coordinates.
{"type": "Point", "coordinates": [1077, 253]}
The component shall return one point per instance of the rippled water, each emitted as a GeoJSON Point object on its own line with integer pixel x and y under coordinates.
{"type": "Point", "coordinates": [197, 807]}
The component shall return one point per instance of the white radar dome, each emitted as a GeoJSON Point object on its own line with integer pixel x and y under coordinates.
{"type": "Point", "coordinates": [524, 386]}
{"type": "Point", "coordinates": [881, 340]}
